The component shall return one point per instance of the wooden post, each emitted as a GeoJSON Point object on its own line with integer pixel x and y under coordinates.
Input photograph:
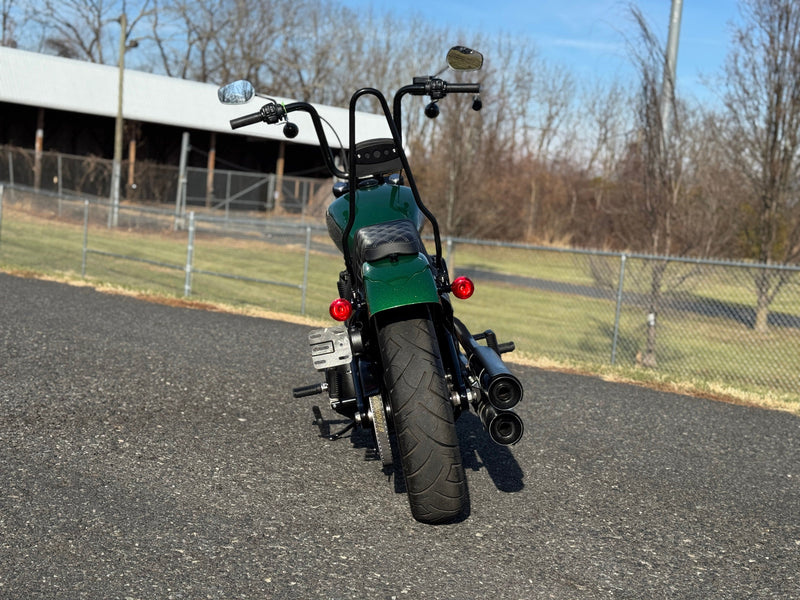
{"type": "Point", "coordinates": [279, 174]}
{"type": "Point", "coordinates": [212, 159]}
{"type": "Point", "coordinates": [131, 187]}
{"type": "Point", "coordinates": [38, 144]}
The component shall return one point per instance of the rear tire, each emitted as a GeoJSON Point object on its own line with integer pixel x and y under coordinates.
{"type": "Point", "coordinates": [423, 418]}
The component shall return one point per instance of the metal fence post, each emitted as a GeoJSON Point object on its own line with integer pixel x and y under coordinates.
{"type": "Point", "coordinates": [11, 171]}
{"type": "Point", "coordinates": [227, 198]}
{"type": "Point", "coordinates": [85, 237]}
{"type": "Point", "coordinates": [187, 282]}
{"type": "Point", "coordinates": [449, 255]}
{"type": "Point", "coordinates": [2, 190]}
{"type": "Point", "coordinates": [305, 271]}
{"type": "Point", "coordinates": [180, 196]}
{"type": "Point", "coordinates": [270, 193]}
{"type": "Point", "coordinates": [60, 182]}
{"type": "Point", "coordinates": [622, 261]}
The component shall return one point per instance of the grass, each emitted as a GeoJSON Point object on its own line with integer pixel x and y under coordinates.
{"type": "Point", "coordinates": [552, 266]}
{"type": "Point", "coordinates": [699, 354]}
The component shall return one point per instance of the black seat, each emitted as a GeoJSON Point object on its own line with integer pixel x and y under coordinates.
{"type": "Point", "coordinates": [383, 240]}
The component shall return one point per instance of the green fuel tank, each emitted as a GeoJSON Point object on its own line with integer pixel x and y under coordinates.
{"type": "Point", "coordinates": [376, 203]}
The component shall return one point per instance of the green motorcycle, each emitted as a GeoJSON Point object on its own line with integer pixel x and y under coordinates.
{"type": "Point", "coordinates": [400, 364]}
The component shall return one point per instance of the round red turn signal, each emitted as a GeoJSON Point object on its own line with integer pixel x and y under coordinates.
{"type": "Point", "coordinates": [462, 288]}
{"type": "Point", "coordinates": [341, 309]}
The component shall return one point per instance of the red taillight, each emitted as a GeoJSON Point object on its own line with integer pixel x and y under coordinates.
{"type": "Point", "coordinates": [341, 309]}
{"type": "Point", "coordinates": [462, 288]}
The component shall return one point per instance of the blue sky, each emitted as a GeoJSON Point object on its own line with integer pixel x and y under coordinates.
{"type": "Point", "coordinates": [588, 36]}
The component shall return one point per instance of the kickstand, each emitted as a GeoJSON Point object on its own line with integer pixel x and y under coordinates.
{"type": "Point", "coordinates": [324, 427]}
{"type": "Point", "coordinates": [339, 434]}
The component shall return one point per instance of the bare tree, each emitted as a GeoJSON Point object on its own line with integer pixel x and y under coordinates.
{"type": "Point", "coordinates": [762, 99]}
{"type": "Point", "coordinates": [607, 122]}
{"type": "Point", "coordinates": [223, 40]}
{"type": "Point", "coordinates": [8, 24]}
{"type": "Point", "coordinates": [253, 41]}
{"type": "Point", "coordinates": [295, 49]}
{"type": "Point", "coordinates": [593, 140]}
{"type": "Point", "coordinates": [185, 34]}
{"type": "Point", "coordinates": [553, 92]}
{"type": "Point", "coordinates": [710, 223]}
{"type": "Point", "coordinates": [653, 186]}
{"type": "Point", "coordinates": [471, 162]}
{"type": "Point", "coordinates": [88, 29]}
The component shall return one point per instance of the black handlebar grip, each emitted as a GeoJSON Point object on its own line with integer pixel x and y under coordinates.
{"type": "Point", "coordinates": [246, 120]}
{"type": "Point", "coordinates": [463, 88]}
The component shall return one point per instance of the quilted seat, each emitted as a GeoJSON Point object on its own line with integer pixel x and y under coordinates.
{"type": "Point", "coordinates": [383, 240]}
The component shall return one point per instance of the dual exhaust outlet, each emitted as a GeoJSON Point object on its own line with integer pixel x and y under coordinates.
{"type": "Point", "coordinates": [500, 389]}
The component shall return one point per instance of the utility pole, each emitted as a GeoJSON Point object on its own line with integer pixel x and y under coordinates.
{"type": "Point", "coordinates": [116, 165]}
{"type": "Point", "coordinates": [668, 86]}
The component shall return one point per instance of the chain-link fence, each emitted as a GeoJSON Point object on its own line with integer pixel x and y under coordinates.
{"type": "Point", "coordinates": [238, 261]}
{"type": "Point", "coordinates": [674, 318]}
{"type": "Point", "coordinates": [144, 181]}
{"type": "Point", "coordinates": [696, 320]}
{"type": "Point", "coordinates": [242, 191]}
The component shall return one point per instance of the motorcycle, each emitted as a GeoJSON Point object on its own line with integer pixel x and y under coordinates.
{"type": "Point", "coordinates": [400, 364]}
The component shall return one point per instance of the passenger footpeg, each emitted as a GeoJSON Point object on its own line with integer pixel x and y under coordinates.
{"type": "Point", "coordinates": [309, 390]}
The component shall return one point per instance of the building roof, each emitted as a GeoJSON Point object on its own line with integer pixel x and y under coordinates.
{"type": "Point", "coordinates": [77, 86]}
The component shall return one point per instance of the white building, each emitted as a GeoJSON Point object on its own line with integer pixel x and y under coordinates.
{"type": "Point", "coordinates": [73, 105]}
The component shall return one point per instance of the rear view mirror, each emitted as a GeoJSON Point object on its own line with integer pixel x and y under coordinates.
{"type": "Point", "coordinates": [461, 58]}
{"type": "Point", "coordinates": [238, 92]}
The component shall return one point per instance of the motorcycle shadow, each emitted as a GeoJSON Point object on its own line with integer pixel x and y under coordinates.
{"type": "Point", "coordinates": [478, 452]}
{"type": "Point", "coordinates": [336, 429]}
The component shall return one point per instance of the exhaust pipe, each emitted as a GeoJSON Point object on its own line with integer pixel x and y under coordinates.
{"type": "Point", "coordinates": [504, 427]}
{"type": "Point", "coordinates": [503, 390]}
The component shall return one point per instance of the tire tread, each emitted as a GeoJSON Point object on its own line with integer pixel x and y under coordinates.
{"type": "Point", "coordinates": [423, 418]}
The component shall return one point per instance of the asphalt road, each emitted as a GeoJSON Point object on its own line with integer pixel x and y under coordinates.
{"type": "Point", "coordinates": [148, 451]}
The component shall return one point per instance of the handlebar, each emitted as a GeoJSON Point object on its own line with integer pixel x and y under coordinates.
{"type": "Point", "coordinates": [273, 112]}
{"type": "Point", "coordinates": [463, 88]}
{"type": "Point", "coordinates": [437, 88]}
{"type": "Point", "coordinates": [270, 113]}
{"type": "Point", "coordinates": [246, 120]}
{"type": "Point", "coordinates": [429, 86]}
